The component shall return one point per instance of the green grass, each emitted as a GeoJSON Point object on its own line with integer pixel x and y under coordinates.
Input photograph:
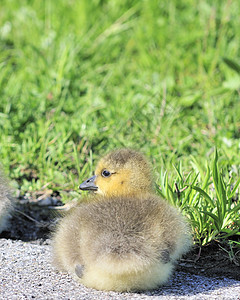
{"type": "Point", "coordinates": [209, 202]}
{"type": "Point", "coordinates": [79, 78]}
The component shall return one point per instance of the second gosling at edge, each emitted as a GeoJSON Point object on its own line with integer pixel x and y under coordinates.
{"type": "Point", "coordinates": [6, 203]}
{"type": "Point", "coordinates": [125, 238]}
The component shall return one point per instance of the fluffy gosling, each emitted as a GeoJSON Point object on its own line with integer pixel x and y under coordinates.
{"type": "Point", "coordinates": [125, 238]}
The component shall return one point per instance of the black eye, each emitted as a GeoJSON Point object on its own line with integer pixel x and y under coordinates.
{"type": "Point", "coordinates": [106, 173]}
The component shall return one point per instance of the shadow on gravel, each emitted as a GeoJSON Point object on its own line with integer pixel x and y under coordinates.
{"type": "Point", "coordinates": [30, 222]}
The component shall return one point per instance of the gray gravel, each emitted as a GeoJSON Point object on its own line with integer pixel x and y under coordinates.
{"type": "Point", "coordinates": [26, 273]}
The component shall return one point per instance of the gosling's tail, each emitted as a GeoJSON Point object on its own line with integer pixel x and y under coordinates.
{"type": "Point", "coordinates": [138, 269]}
{"type": "Point", "coordinates": [130, 274]}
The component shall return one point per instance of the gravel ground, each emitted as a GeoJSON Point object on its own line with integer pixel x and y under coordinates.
{"type": "Point", "coordinates": [26, 273]}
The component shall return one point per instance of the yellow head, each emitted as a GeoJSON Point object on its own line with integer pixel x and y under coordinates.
{"type": "Point", "coordinates": [120, 173]}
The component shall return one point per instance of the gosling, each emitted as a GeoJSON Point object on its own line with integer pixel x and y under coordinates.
{"type": "Point", "coordinates": [6, 203]}
{"type": "Point", "coordinates": [125, 238]}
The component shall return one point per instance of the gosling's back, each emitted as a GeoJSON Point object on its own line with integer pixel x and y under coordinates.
{"type": "Point", "coordinates": [121, 226]}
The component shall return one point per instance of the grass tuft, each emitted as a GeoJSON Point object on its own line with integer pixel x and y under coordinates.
{"type": "Point", "coordinates": [207, 200]}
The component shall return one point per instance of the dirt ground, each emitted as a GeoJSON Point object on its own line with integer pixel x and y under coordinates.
{"type": "Point", "coordinates": [212, 261]}
{"type": "Point", "coordinates": [33, 223]}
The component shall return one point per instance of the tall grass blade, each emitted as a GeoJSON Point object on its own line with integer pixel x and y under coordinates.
{"type": "Point", "coordinates": [232, 64]}
{"type": "Point", "coordinates": [234, 188]}
{"type": "Point", "coordinates": [205, 195]}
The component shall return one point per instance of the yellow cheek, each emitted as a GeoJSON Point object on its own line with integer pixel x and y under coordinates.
{"type": "Point", "coordinates": [116, 184]}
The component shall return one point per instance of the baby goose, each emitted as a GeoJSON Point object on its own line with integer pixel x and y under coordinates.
{"type": "Point", "coordinates": [6, 203]}
{"type": "Point", "coordinates": [125, 238]}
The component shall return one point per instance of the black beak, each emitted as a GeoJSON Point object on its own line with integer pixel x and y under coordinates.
{"type": "Point", "coordinates": [89, 185]}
